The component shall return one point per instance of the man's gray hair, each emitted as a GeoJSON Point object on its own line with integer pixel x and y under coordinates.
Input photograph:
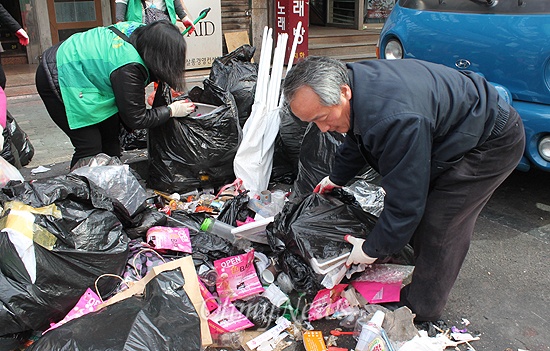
{"type": "Point", "coordinates": [324, 75]}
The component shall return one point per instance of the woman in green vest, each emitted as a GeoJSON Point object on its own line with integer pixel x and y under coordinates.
{"type": "Point", "coordinates": [95, 80]}
{"type": "Point", "coordinates": [147, 11]}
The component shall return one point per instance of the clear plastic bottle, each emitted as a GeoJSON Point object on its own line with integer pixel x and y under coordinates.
{"type": "Point", "coordinates": [221, 229]}
{"type": "Point", "coordinates": [370, 338]}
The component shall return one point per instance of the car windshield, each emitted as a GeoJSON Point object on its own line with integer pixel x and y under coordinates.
{"type": "Point", "coordinates": [523, 7]}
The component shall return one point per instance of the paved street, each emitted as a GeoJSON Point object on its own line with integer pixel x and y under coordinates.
{"type": "Point", "coordinates": [504, 287]}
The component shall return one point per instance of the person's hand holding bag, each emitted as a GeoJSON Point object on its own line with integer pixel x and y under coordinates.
{"type": "Point", "coordinates": [325, 186]}
{"type": "Point", "coordinates": [357, 255]}
{"type": "Point", "coordinates": [181, 108]}
{"type": "Point", "coordinates": [23, 37]}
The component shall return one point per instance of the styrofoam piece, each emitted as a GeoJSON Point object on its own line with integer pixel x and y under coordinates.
{"type": "Point", "coordinates": [326, 266]}
{"type": "Point", "coordinates": [253, 231]}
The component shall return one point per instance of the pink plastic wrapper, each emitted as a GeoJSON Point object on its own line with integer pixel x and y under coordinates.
{"type": "Point", "coordinates": [382, 283]}
{"type": "Point", "coordinates": [88, 303]}
{"type": "Point", "coordinates": [209, 299]}
{"type": "Point", "coordinates": [227, 318]}
{"type": "Point", "coordinates": [328, 301]}
{"type": "Point", "coordinates": [168, 238]}
{"type": "Point", "coordinates": [237, 277]}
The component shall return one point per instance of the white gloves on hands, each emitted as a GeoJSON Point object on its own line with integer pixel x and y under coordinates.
{"type": "Point", "coordinates": [23, 37]}
{"type": "Point", "coordinates": [325, 186]}
{"type": "Point", "coordinates": [357, 255]}
{"type": "Point", "coordinates": [182, 108]}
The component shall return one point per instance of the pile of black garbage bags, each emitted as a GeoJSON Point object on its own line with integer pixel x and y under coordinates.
{"type": "Point", "coordinates": [65, 235]}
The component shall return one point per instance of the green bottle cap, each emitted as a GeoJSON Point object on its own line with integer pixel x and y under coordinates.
{"type": "Point", "coordinates": [206, 224]}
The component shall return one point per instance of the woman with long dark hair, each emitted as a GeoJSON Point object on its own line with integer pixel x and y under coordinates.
{"type": "Point", "coordinates": [95, 80]}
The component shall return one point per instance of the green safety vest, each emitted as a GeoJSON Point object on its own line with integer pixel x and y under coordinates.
{"type": "Point", "coordinates": [85, 62]}
{"type": "Point", "coordinates": [134, 11]}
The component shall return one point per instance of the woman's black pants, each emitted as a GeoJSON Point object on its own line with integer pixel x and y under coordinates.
{"type": "Point", "coordinates": [87, 141]}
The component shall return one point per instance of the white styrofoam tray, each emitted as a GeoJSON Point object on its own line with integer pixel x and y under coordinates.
{"type": "Point", "coordinates": [326, 266]}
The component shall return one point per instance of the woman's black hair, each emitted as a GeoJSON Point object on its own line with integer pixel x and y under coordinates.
{"type": "Point", "coordinates": [162, 48]}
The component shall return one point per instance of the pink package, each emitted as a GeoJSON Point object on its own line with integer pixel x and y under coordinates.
{"type": "Point", "coordinates": [211, 303]}
{"type": "Point", "coordinates": [375, 292]}
{"type": "Point", "coordinates": [382, 282]}
{"type": "Point", "coordinates": [328, 301]}
{"type": "Point", "coordinates": [227, 318]}
{"type": "Point", "coordinates": [88, 303]}
{"type": "Point", "coordinates": [237, 277]}
{"type": "Point", "coordinates": [168, 238]}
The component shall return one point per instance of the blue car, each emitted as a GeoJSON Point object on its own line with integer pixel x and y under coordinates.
{"type": "Point", "coordinates": [506, 41]}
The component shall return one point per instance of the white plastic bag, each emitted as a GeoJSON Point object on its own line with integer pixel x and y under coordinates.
{"type": "Point", "coordinates": [8, 172]}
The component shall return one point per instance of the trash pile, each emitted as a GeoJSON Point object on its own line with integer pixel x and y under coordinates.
{"type": "Point", "coordinates": [200, 258]}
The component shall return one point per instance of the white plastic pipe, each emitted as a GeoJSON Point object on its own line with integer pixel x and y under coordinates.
{"type": "Point", "coordinates": [279, 71]}
{"type": "Point", "coordinates": [292, 53]}
{"type": "Point", "coordinates": [259, 80]}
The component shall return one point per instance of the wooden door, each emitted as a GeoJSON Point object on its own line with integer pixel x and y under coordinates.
{"type": "Point", "coordinates": [72, 16]}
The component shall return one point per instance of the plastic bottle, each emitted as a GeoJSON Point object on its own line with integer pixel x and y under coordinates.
{"type": "Point", "coordinates": [218, 228]}
{"type": "Point", "coordinates": [370, 338]}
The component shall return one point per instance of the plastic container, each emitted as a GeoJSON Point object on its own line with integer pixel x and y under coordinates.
{"type": "Point", "coordinates": [285, 283]}
{"type": "Point", "coordinates": [325, 266]}
{"type": "Point", "coordinates": [202, 109]}
{"type": "Point", "coordinates": [221, 229]}
{"type": "Point", "coordinates": [253, 231]}
{"type": "Point", "coordinates": [370, 334]}
{"type": "Point", "coordinates": [278, 198]}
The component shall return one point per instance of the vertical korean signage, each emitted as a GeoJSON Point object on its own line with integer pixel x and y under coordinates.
{"type": "Point", "coordinates": [288, 13]}
{"type": "Point", "coordinates": [205, 44]}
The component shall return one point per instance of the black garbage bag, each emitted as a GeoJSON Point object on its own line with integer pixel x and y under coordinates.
{"type": "Point", "coordinates": [163, 319]}
{"type": "Point", "coordinates": [282, 170]}
{"type": "Point", "coordinates": [195, 151]}
{"type": "Point", "coordinates": [259, 310]}
{"type": "Point", "coordinates": [209, 247]}
{"type": "Point", "coordinates": [303, 278]}
{"type": "Point", "coordinates": [132, 140]}
{"type": "Point", "coordinates": [17, 148]}
{"type": "Point", "coordinates": [287, 148]}
{"type": "Point", "coordinates": [191, 221]}
{"type": "Point", "coordinates": [236, 209]}
{"type": "Point", "coordinates": [88, 241]}
{"type": "Point", "coordinates": [315, 226]}
{"type": "Point", "coordinates": [316, 157]}
{"type": "Point", "coordinates": [143, 221]}
{"type": "Point", "coordinates": [236, 74]}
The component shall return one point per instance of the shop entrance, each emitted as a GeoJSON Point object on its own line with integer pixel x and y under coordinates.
{"type": "Point", "coordinates": [354, 14]}
{"type": "Point", "coordinates": [72, 16]}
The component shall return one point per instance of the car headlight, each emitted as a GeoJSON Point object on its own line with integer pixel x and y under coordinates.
{"type": "Point", "coordinates": [393, 50]}
{"type": "Point", "coordinates": [544, 148]}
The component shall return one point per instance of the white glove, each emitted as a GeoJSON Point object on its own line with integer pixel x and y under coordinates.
{"type": "Point", "coordinates": [23, 37]}
{"type": "Point", "coordinates": [181, 108]}
{"type": "Point", "coordinates": [357, 255]}
{"type": "Point", "coordinates": [325, 186]}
